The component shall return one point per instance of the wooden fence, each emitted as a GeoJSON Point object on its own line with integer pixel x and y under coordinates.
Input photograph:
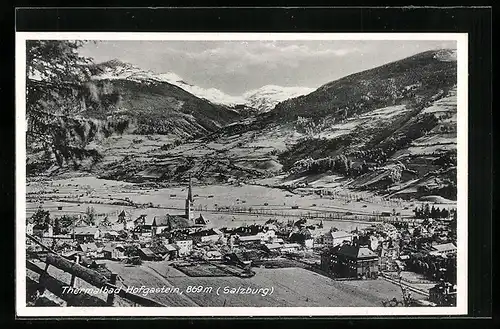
{"type": "Point", "coordinates": [67, 291]}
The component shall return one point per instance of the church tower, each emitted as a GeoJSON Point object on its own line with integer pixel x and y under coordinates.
{"type": "Point", "coordinates": [189, 203]}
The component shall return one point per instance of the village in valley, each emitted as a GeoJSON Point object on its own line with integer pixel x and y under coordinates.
{"type": "Point", "coordinates": [388, 259]}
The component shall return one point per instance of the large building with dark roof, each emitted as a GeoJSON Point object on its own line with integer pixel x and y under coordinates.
{"type": "Point", "coordinates": [350, 261]}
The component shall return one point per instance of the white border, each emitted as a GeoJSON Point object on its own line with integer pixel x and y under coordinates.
{"type": "Point", "coordinates": [462, 152]}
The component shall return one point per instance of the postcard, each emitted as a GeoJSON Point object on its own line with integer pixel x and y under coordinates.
{"type": "Point", "coordinates": [241, 174]}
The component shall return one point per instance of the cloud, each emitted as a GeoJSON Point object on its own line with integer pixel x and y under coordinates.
{"type": "Point", "coordinates": [270, 55]}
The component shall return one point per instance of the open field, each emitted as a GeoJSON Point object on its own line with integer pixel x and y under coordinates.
{"type": "Point", "coordinates": [200, 270]}
{"type": "Point", "coordinates": [224, 205]}
{"type": "Point", "coordinates": [286, 287]}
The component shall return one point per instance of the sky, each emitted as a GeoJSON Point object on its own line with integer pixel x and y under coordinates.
{"type": "Point", "coordinates": [235, 67]}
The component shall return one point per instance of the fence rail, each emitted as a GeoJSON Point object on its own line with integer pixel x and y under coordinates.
{"type": "Point", "coordinates": [94, 278]}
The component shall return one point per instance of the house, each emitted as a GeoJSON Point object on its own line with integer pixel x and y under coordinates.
{"type": "Point", "coordinates": [444, 249]}
{"type": "Point", "coordinates": [202, 220]}
{"type": "Point", "coordinates": [158, 249]}
{"type": "Point", "coordinates": [62, 245]}
{"type": "Point", "coordinates": [249, 239]}
{"type": "Point", "coordinates": [112, 251]}
{"type": "Point", "coordinates": [172, 251]}
{"type": "Point", "coordinates": [159, 224]}
{"type": "Point", "coordinates": [443, 294]}
{"type": "Point", "coordinates": [30, 224]}
{"type": "Point", "coordinates": [272, 247]}
{"type": "Point", "coordinates": [184, 247]}
{"type": "Point", "coordinates": [168, 223]}
{"type": "Point", "coordinates": [213, 255]}
{"type": "Point", "coordinates": [302, 237]}
{"type": "Point", "coordinates": [289, 247]}
{"type": "Point", "coordinates": [336, 238]}
{"type": "Point", "coordinates": [147, 254]}
{"type": "Point", "coordinates": [389, 254]}
{"type": "Point", "coordinates": [350, 261]}
{"type": "Point", "coordinates": [90, 249]}
{"type": "Point", "coordinates": [267, 235]}
{"type": "Point", "coordinates": [86, 233]}
{"type": "Point", "coordinates": [71, 255]}
{"type": "Point", "coordinates": [210, 235]}
{"type": "Point", "coordinates": [111, 235]}
{"type": "Point", "coordinates": [238, 260]}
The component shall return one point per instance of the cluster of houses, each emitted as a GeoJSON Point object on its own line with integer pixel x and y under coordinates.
{"type": "Point", "coordinates": [382, 247]}
{"type": "Point", "coordinates": [173, 236]}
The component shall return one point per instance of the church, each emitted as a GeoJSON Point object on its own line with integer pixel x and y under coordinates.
{"type": "Point", "coordinates": [187, 220]}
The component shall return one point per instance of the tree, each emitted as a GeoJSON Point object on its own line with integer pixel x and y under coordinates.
{"type": "Point", "coordinates": [427, 211]}
{"type": "Point", "coordinates": [90, 215]}
{"type": "Point", "coordinates": [41, 219]}
{"type": "Point", "coordinates": [65, 223]}
{"type": "Point", "coordinates": [131, 251]}
{"type": "Point", "coordinates": [54, 89]}
{"type": "Point", "coordinates": [57, 227]}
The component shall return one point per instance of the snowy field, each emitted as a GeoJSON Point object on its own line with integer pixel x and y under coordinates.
{"type": "Point", "coordinates": [224, 205]}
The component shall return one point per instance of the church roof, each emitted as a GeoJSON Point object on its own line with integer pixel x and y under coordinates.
{"type": "Point", "coordinates": [172, 221]}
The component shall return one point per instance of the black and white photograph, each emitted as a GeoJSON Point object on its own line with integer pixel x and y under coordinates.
{"type": "Point", "coordinates": [241, 173]}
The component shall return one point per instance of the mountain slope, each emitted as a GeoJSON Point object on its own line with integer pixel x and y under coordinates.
{"type": "Point", "coordinates": [159, 108]}
{"type": "Point", "coordinates": [116, 69]}
{"type": "Point", "coordinates": [413, 80]}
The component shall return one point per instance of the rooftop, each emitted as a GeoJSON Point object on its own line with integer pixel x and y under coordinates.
{"type": "Point", "coordinates": [357, 252]}
{"type": "Point", "coordinates": [85, 230]}
{"type": "Point", "coordinates": [340, 234]}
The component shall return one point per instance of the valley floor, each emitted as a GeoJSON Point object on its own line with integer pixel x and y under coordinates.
{"type": "Point", "coordinates": [223, 205]}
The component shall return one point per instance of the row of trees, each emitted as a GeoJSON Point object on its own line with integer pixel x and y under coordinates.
{"type": "Point", "coordinates": [425, 211]}
{"type": "Point", "coordinates": [434, 267]}
{"type": "Point", "coordinates": [61, 225]}
{"type": "Point", "coordinates": [339, 164]}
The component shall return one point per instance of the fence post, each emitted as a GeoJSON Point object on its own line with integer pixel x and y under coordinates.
{"type": "Point", "coordinates": [73, 277]}
{"type": "Point", "coordinates": [111, 296]}
{"type": "Point", "coordinates": [46, 267]}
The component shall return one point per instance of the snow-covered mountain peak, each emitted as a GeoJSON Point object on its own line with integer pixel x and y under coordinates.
{"type": "Point", "coordinates": [263, 99]}
{"type": "Point", "coordinates": [116, 69]}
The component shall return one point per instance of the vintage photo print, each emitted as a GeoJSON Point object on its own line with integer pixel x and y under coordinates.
{"type": "Point", "coordinates": [241, 174]}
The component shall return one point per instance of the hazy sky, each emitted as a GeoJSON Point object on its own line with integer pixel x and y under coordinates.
{"type": "Point", "coordinates": [238, 66]}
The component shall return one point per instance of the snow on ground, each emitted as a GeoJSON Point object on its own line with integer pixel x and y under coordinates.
{"type": "Point", "coordinates": [422, 150]}
{"type": "Point", "coordinates": [435, 139]}
{"type": "Point", "coordinates": [91, 182]}
{"type": "Point", "coordinates": [277, 138]}
{"type": "Point", "coordinates": [266, 97]}
{"type": "Point", "coordinates": [75, 196]}
{"type": "Point", "coordinates": [367, 119]}
{"type": "Point", "coordinates": [445, 104]}
{"type": "Point", "coordinates": [384, 113]}
{"type": "Point", "coordinates": [329, 181]}
{"type": "Point", "coordinates": [437, 199]}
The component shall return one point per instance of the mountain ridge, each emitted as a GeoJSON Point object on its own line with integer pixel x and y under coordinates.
{"type": "Point", "coordinates": [261, 99]}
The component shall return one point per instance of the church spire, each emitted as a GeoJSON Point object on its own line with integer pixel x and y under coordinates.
{"type": "Point", "coordinates": [190, 192]}
{"type": "Point", "coordinates": [189, 203]}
